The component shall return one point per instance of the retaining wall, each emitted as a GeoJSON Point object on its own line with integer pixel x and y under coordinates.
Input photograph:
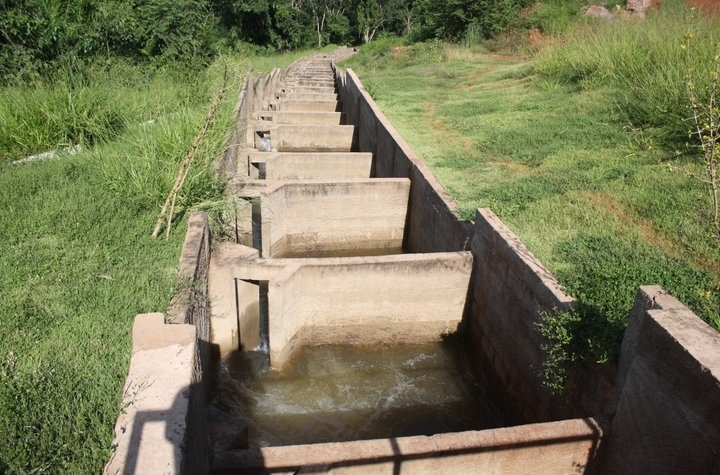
{"type": "Point", "coordinates": [158, 427]}
{"type": "Point", "coordinates": [505, 276]}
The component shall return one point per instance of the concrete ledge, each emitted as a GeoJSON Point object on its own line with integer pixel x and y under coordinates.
{"type": "Point", "coordinates": [550, 448]}
{"type": "Point", "coordinates": [192, 270]}
{"type": "Point", "coordinates": [151, 431]}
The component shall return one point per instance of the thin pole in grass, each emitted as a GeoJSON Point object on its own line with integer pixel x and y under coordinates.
{"type": "Point", "coordinates": [185, 165]}
{"type": "Point", "coordinates": [706, 124]}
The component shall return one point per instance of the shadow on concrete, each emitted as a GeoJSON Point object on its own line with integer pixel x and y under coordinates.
{"type": "Point", "coordinates": [500, 449]}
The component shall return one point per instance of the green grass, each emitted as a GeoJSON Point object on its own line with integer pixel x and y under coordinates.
{"type": "Point", "coordinates": [77, 261]}
{"type": "Point", "coordinates": [561, 163]}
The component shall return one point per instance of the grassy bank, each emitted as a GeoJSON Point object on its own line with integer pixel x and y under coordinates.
{"type": "Point", "coordinates": [573, 166]}
{"type": "Point", "coordinates": [78, 261]}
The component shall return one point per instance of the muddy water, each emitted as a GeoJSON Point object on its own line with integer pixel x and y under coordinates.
{"type": "Point", "coordinates": [342, 393]}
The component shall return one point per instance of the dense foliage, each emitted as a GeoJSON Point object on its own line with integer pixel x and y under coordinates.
{"type": "Point", "coordinates": [36, 35]}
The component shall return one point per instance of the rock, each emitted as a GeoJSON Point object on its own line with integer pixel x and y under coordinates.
{"type": "Point", "coordinates": [599, 12]}
{"type": "Point", "coordinates": [641, 6]}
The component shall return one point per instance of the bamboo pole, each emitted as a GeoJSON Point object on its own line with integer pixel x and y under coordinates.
{"type": "Point", "coordinates": [184, 168]}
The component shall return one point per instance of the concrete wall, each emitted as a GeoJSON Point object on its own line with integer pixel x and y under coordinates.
{"type": "Point", "coordinates": [256, 93]}
{"type": "Point", "coordinates": [235, 318]}
{"type": "Point", "coordinates": [285, 117]}
{"type": "Point", "coordinates": [311, 166]}
{"type": "Point", "coordinates": [506, 276]}
{"type": "Point", "coordinates": [509, 289]}
{"type": "Point", "coordinates": [385, 299]}
{"type": "Point", "coordinates": [158, 431]}
{"type": "Point", "coordinates": [550, 448]}
{"type": "Point", "coordinates": [668, 418]}
{"type": "Point", "coordinates": [432, 225]}
{"type": "Point", "coordinates": [313, 138]}
{"type": "Point", "coordinates": [313, 218]}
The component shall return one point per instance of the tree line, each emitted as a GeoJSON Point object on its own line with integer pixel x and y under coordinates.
{"type": "Point", "coordinates": [36, 34]}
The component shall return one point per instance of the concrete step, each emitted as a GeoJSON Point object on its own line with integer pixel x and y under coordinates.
{"type": "Point", "coordinates": [315, 138]}
{"type": "Point", "coordinates": [311, 97]}
{"type": "Point", "coordinates": [312, 83]}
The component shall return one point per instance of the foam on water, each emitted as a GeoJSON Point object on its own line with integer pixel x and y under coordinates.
{"type": "Point", "coordinates": [341, 393]}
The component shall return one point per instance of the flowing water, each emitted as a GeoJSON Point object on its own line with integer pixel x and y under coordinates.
{"type": "Point", "coordinates": [343, 393]}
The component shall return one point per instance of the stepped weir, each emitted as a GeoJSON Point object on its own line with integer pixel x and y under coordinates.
{"type": "Point", "coordinates": [339, 235]}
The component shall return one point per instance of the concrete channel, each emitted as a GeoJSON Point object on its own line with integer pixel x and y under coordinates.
{"type": "Point", "coordinates": [341, 235]}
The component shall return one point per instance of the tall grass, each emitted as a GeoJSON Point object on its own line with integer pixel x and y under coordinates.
{"type": "Point", "coordinates": [642, 61]}
{"type": "Point", "coordinates": [78, 260]}
{"type": "Point", "coordinates": [555, 155]}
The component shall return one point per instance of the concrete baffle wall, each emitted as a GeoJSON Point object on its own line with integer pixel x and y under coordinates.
{"type": "Point", "coordinates": [668, 418]}
{"type": "Point", "coordinates": [384, 299]}
{"type": "Point", "coordinates": [310, 166]}
{"type": "Point", "coordinates": [315, 118]}
{"type": "Point", "coordinates": [315, 218]}
{"type": "Point", "coordinates": [313, 138]}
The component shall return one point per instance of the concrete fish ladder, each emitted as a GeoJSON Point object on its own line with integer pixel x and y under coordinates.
{"type": "Point", "coordinates": [289, 255]}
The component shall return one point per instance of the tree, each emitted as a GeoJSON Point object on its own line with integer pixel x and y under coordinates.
{"type": "Point", "coordinates": [370, 18]}
{"type": "Point", "coordinates": [402, 11]}
{"type": "Point", "coordinates": [246, 20]}
{"type": "Point", "coordinates": [325, 12]}
{"type": "Point", "coordinates": [175, 29]}
{"type": "Point", "coordinates": [291, 25]}
{"type": "Point", "coordinates": [450, 19]}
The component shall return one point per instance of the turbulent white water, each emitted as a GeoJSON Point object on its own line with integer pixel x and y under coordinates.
{"type": "Point", "coordinates": [341, 393]}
